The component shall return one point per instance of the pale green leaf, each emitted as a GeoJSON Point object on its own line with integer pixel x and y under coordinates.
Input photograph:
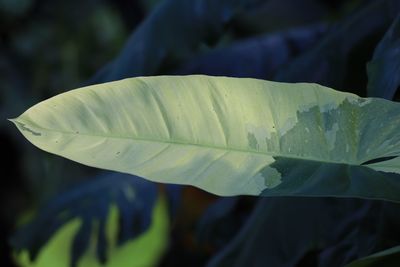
{"type": "Point", "coordinates": [228, 136]}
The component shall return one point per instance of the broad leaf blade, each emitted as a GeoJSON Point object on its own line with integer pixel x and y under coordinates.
{"type": "Point", "coordinates": [228, 136]}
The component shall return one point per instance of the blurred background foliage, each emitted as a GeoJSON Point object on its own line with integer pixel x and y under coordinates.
{"type": "Point", "coordinates": [55, 212]}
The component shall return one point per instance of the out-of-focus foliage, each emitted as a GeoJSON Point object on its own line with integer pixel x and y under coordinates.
{"type": "Point", "coordinates": [149, 5]}
{"type": "Point", "coordinates": [257, 57]}
{"type": "Point", "coordinates": [281, 15]}
{"type": "Point", "coordinates": [387, 258]}
{"type": "Point", "coordinates": [54, 50]}
{"type": "Point", "coordinates": [330, 232]}
{"type": "Point", "coordinates": [222, 221]}
{"type": "Point", "coordinates": [384, 68]}
{"type": "Point", "coordinates": [15, 8]}
{"type": "Point", "coordinates": [145, 250]}
{"type": "Point", "coordinates": [45, 47]}
{"type": "Point", "coordinates": [339, 59]}
{"type": "Point", "coordinates": [46, 50]}
{"type": "Point", "coordinates": [90, 202]}
{"type": "Point", "coordinates": [173, 33]}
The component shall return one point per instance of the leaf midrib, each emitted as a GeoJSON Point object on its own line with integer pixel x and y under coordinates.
{"type": "Point", "coordinates": [183, 143]}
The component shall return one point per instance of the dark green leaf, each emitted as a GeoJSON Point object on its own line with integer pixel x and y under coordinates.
{"type": "Point", "coordinates": [384, 68]}
{"type": "Point", "coordinates": [172, 33]}
{"type": "Point", "coordinates": [339, 59]}
{"type": "Point", "coordinates": [387, 258]}
{"type": "Point", "coordinates": [216, 219]}
{"type": "Point", "coordinates": [258, 57]}
{"type": "Point", "coordinates": [323, 232]}
{"type": "Point", "coordinates": [278, 15]}
{"type": "Point", "coordinates": [134, 197]}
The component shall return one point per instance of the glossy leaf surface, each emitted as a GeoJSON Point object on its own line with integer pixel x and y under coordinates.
{"type": "Point", "coordinates": [228, 136]}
